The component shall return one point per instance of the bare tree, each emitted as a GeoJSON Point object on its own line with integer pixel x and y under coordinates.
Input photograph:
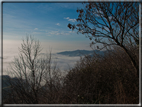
{"type": "Point", "coordinates": [110, 24]}
{"type": "Point", "coordinates": [29, 70]}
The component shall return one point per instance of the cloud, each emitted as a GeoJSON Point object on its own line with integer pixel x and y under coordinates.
{"type": "Point", "coordinates": [71, 20]}
{"type": "Point", "coordinates": [59, 33]}
{"type": "Point", "coordinates": [58, 24]}
{"type": "Point", "coordinates": [36, 29]}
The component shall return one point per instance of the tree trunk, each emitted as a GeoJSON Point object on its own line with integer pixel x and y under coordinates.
{"type": "Point", "coordinates": [136, 66]}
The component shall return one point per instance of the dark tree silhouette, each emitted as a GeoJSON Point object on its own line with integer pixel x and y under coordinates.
{"type": "Point", "coordinates": [111, 24]}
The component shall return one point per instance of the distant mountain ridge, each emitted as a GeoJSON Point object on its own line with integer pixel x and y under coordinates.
{"type": "Point", "coordinates": [80, 52]}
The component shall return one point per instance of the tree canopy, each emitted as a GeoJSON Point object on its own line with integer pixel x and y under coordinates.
{"type": "Point", "coordinates": [110, 24]}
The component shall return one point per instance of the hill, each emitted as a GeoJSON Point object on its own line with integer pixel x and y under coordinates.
{"type": "Point", "coordinates": [80, 53]}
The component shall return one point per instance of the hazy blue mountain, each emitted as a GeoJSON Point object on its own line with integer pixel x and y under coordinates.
{"type": "Point", "coordinates": [80, 53]}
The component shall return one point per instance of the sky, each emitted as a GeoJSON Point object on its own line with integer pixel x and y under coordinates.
{"type": "Point", "coordinates": [47, 22]}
